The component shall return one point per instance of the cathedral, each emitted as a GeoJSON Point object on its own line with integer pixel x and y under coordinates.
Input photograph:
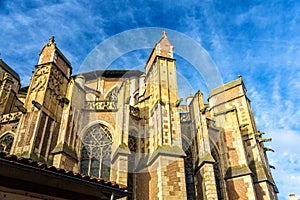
{"type": "Point", "coordinates": [130, 130]}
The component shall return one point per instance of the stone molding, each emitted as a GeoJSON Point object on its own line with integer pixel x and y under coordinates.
{"type": "Point", "coordinates": [64, 148]}
{"type": "Point", "coordinates": [121, 150]}
{"type": "Point", "coordinates": [237, 171]}
{"type": "Point", "coordinates": [10, 117]}
{"type": "Point", "coordinates": [101, 105]}
{"type": "Point", "coordinates": [166, 150]}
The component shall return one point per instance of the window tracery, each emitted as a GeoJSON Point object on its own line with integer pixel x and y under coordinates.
{"type": "Point", "coordinates": [132, 145]}
{"type": "Point", "coordinates": [6, 143]}
{"type": "Point", "coordinates": [96, 152]}
{"type": "Point", "coordinates": [113, 95]}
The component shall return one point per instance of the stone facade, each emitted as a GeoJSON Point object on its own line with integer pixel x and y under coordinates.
{"type": "Point", "coordinates": [130, 127]}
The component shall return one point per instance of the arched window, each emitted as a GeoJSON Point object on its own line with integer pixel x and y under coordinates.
{"type": "Point", "coordinates": [6, 142]}
{"type": "Point", "coordinates": [96, 152]}
{"type": "Point", "coordinates": [113, 95]}
{"type": "Point", "coordinates": [217, 172]}
{"type": "Point", "coordinates": [132, 141]}
{"type": "Point", "coordinates": [132, 145]}
{"type": "Point", "coordinates": [189, 170]}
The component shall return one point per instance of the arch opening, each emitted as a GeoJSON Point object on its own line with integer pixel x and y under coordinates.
{"type": "Point", "coordinates": [96, 152]}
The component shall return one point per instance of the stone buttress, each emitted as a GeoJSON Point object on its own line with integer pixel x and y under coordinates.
{"type": "Point", "coordinates": [244, 159]}
{"type": "Point", "coordinates": [37, 133]}
{"type": "Point", "coordinates": [165, 163]}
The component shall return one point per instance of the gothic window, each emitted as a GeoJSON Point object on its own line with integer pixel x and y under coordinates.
{"type": "Point", "coordinates": [113, 95]}
{"type": "Point", "coordinates": [6, 142]}
{"type": "Point", "coordinates": [218, 181]}
{"type": "Point", "coordinates": [189, 171]}
{"type": "Point", "coordinates": [217, 172]}
{"type": "Point", "coordinates": [96, 152]}
{"type": "Point", "coordinates": [132, 142]}
{"type": "Point", "coordinates": [132, 145]}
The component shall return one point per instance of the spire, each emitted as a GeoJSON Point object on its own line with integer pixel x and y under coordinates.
{"type": "Point", "coordinates": [50, 53]}
{"type": "Point", "coordinates": [47, 52]}
{"type": "Point", "coordinates": [164, 47]}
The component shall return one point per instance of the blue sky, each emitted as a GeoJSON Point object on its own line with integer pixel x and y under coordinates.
{"type": "Point", "coordinates": [258, 39]}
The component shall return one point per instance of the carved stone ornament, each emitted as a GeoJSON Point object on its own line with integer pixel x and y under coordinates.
{"type": "Point", "coordinates": [56, 80]}
{"type": "Point", "coordinates": [51, 40]}
{"type": "Point", "coordinates": [10, 117]}
{"type": "Point", "coordinates": [4, 93]}
{"type": "Point", "coordinates": [5, 88]}
{"type": "Point", "coordinates": [101, 105]}
{"type": "Point", "coordinates": [135, 112]}
{"type": "Point", "coordinates": [39, 79]}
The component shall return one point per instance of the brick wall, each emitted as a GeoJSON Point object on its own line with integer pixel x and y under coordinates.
{"type": "Point", "coordinates": [240, 188]}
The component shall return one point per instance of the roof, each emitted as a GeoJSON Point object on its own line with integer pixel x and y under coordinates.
{"type": "Point", "coordinates": [9, 70]}
{"type": "Point", "coordinates": [161, 48]}
{"type": "Point", "coordinates": [25, 174]}
{"type": "Point", "coordinates": [52, 42]}
{"type": "Point", "coordinates": [164, 40]}
{"type": "Point", "coordinates": [111, 74]}
{"type": "Point", "coordinates": [226, 87]}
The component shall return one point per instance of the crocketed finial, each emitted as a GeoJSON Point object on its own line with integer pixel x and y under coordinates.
{"type": "Point", "coordinates": [164, 33]}
{"type": "Point", "coordinates": [51, 40]}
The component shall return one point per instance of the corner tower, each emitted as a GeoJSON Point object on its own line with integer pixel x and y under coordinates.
{"type": "Point", "coordinates": [165, 163]}
{"type": "Point", "coordinates": [38, 129]}
{"type": "Point", "coordinates": [246, 170]}
{"type": "Point", "coordinates": [161, 83]}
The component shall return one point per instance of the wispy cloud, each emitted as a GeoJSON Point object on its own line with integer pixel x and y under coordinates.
{"type": "Point", "coordinates": [258, 39]}
{"type": "Point", "coordinates": [27, 28]}
{"type": "Point", "coordinates": [277, 113]}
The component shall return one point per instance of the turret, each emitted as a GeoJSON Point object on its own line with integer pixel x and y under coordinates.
{"type": "Point", "coordinates": [38, 129]}
{"type": "Point", "coordinates": [164, 121]}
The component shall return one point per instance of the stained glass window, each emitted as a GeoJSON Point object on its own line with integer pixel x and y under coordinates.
{"type": "Point", "coordinates": [6, 142]}
{"type": "Point", "coordinates": [96, 152]}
